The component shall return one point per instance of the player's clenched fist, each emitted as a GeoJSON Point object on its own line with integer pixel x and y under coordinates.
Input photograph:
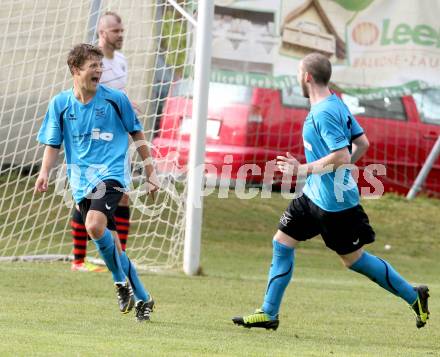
{"type": "Point", "coordinates": [41, 183]}
{"type": "Point", "coordinates": [288, 164]}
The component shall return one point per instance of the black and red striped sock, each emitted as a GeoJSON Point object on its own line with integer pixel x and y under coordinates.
{"type": "Point", "coordinates": [79, 236]}
{"type": "Point", "coordinates": [122, 219]}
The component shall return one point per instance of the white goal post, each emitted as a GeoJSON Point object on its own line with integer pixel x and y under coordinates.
{"type": "Point", "coordinates": [161, 38]}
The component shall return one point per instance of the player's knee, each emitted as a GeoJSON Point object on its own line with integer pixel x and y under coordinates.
{"type": "Point", "coordinates": [347, 264]}
{"type": "Point", "coordinates": [95, 230]}
{"type": "Point", "coordinates": [349, 259]}
{"type": "Point", "coordinates": [285, 239]}
{"type": "Point", "coordinates": [125, 201]}
{"type": "Point", "coordinates": [96, 223]}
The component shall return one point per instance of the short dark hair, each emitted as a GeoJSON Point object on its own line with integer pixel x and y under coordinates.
{"type": "Point", "coordinates": [79, 54]}
{"type": "Point", "coordinates": [318, 66]}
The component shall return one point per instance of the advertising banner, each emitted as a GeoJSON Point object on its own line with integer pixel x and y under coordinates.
{"type": "Point", "coordinates": [378, 47]}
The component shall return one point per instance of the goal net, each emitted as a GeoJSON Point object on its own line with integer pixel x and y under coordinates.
{"type": "Point", "coordinates": [36, 37]}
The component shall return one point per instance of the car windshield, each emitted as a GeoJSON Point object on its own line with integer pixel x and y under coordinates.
{"type": "Point", "coordinates": [428, 105]}
{"type": "Point", "coordinates": [386, 107]}
{"type": "Point", "coordinates": [220, 94]}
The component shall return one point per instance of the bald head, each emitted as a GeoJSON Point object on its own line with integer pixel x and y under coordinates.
{"type": "Point", "coordinates": [110, 31]}
{"type": "Point", "coordinates": [108, 19]}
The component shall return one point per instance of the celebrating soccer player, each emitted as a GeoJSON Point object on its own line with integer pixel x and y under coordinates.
{"type": "Point", "coordinates": [329, 205]}
{"type": "Point", "coordinates": [114, 75]}
{"type": "Point", "coordinates": [92, 121]}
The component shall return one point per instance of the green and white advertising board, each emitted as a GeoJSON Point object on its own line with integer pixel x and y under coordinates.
{"type": "Point", "coordinates": [378, 47]}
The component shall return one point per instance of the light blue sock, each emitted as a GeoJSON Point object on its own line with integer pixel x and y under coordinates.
{"type": "Point", "coordinates": [130, 271]}
{"type": "Point", "coordinates": [109, 253]}
{"type": "Point", "coordinates": [280, 274]}
{"type": "Point", "coordinates": [382, 273]}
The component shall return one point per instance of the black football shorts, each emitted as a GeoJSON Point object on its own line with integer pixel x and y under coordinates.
{"type": "Point", "coordinates": [104, 198]}
{"type": "Point", "coordinates": [343, 232]}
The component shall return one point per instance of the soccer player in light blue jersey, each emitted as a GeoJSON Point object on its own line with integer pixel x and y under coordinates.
{"type": "Point", "coordinates": [329, 205]}
{"type": "Point", "coordinates": [92, 121]}
{"type": "Point", "coordinates": [114, 75]}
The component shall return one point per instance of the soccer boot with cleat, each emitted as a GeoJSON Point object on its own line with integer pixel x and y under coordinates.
{"type": "Point", "coordinates": [143, 309]}
{"type": "Point", "coordinates": [420, 307]}
{"type": "Point", "coordinates": [87, 267]}
{"type": "Point", "coordinates": [258, 319]}
{"type": "Point", "coordinates": [125, 297]}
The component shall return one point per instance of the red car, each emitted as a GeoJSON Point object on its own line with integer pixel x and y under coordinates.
{"type": "Point", "coordinates": [253, 125]}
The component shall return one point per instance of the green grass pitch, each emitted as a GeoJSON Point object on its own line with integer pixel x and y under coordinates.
{"type": "Point", "coordinates": [327, 311]}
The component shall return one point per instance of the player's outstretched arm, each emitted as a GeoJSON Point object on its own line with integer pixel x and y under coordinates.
{"type": "Point", "coordinates": [49, 158]}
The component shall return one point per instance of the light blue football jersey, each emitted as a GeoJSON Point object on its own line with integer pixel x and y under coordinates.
{"type": "Point", "coordinates": [329, 127]}
{"type": "Point", "coordinates": [94, 136]}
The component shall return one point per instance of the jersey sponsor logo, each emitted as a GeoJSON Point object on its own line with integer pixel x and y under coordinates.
{"type": "Point", "coordinates": [307, 145]}
{"type": "Point", "coordinates": [97, 135]}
